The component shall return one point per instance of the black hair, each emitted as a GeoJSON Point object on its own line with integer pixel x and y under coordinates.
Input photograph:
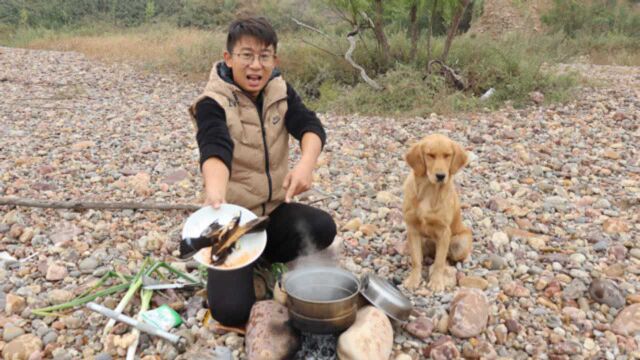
{"type": "Point", "coordinates": [257, 27]}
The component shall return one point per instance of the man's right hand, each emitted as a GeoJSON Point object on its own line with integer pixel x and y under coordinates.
{"type": "Point", "coordinates": [215, 197]}
{"type": "Point", "coordinates": [216, 178]}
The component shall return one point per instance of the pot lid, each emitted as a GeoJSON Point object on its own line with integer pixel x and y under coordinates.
{"type": "Point", "coordinates": [386, 297]}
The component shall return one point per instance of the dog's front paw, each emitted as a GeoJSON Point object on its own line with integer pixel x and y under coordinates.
{"type": "Point", "coordinates": [436, 282]}
{"type": "Point", "coordinates": [412, 282]}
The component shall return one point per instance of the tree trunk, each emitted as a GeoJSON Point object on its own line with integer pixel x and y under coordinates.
{"type": "Point", "coordinates": [434, 7]}
{"type": "Point", "coordinates": [413, 30]}
{"type": "Point", "coordinates": [453, 30]}
{"type": "Point", "coordinates": [378, 29]}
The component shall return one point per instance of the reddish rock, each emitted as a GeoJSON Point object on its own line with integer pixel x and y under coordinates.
{"type": "Point", "coordinates": [442, 349]}
{"type": "Point", "coordinates": [469, 313]}
{"type": "Point", "coordinates": [627, 322]}
{"type": "Point", "coordinates": [56, 272]}
{"type": "Point", "coordinates": [269, 336]}
{"type": "Point", "coordinates": [615, 226]}
{"type": "Point", "coordinates": [175, 176]}
{"type": "Point", "coordinates": [516, 289]}
{"type": "Point", "coordinates": [370, 337]}
{"type": "Point", "coordinates": [441, 340]}
{"type": "Point", "coordinates": [421, 328]}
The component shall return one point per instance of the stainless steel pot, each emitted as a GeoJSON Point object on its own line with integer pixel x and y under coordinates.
{"type": "Point", "coordinates": [322, 299]}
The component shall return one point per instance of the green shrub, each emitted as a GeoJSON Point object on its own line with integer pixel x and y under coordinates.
{"type": "Point", "coordinates": [595, 17]}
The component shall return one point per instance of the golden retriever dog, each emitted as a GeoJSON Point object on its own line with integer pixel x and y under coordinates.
{"type": "Point", "coordinates": [431, 209]}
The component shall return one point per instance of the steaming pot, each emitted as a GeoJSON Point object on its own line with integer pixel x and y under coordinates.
{"type": "Point", "coordinates": [325, 300]}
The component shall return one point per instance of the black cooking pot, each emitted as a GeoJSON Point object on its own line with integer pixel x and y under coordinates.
{"type": "Point", "coordinates": [230, 294]}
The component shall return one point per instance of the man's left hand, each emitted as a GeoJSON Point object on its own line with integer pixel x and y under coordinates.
{"type": "Point", "coordinates": [298, 180]}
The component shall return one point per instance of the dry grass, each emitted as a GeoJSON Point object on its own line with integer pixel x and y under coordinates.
{"type": "Point", "coordinates": [189, 52]}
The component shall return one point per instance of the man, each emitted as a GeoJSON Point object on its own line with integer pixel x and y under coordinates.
{"type": "Point", "coordinates": [244, 118]}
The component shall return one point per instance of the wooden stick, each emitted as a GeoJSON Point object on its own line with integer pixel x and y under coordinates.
{"type": "Point", "coordinates": [85, 205]}
{"type": "Point", "coordinates": [308, 26]}
{"type": "Point", "coordinates": [347, 56]}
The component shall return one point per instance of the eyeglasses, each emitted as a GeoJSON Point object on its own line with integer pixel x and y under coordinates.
{"type": "Point", "coordinates": [248, 58]}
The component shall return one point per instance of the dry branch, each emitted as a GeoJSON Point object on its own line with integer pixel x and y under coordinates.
{"type": "Point", "coordinates": [449, 74]}
{"type": "Point", "coordinates": [300, 23]}
{"type": "Point", "coordinates": [85, 205]}
{"type": "Point", "coordinates": [352, 46]}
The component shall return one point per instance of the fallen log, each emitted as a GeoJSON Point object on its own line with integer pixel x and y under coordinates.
{"type": "Point", "coordinates": [100, 205]}
{"type": "Point", "coordinates": [86, 205]}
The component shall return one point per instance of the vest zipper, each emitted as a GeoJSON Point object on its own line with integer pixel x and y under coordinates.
{"type": "Point", "coordinates": [266, 160]}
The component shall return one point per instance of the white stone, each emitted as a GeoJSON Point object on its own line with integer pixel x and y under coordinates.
{"type": "Point", "coordinates": [370, 337]}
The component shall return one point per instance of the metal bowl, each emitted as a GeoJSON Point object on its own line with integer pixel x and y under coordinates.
{"type": "Point", "coordinates": [321, 298]}
{"type": "Point", "coordinates": [323, 326]}
{"type": "Point", "coordinates": [386, 297]}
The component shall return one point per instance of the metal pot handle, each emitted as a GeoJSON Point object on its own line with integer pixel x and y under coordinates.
{"type": "Point", "coordinates": [364, 282]}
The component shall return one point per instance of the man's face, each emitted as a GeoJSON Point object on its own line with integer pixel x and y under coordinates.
{"type": "Point", "coordinates": [252, 63]}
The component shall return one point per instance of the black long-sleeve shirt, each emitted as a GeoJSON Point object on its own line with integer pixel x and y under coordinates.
{"type": "Point", "coordinates": [213, 135]}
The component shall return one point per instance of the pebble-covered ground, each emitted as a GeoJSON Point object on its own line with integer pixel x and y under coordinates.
{"type": "Point", "coordinates": [552, 196]}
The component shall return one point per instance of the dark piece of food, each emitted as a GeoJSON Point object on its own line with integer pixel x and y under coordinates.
{"type": "Point", "coordinates": [223, 247]}
{"type": "Point", "coordinates": [190, 246]}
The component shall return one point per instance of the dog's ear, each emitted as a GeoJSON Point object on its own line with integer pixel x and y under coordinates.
{"type": "Point", "coordinates": [459, 160]}
{"type": "Point", "coordinates": [415, 159]}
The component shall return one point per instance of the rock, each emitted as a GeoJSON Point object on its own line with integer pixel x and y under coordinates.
{"type": "Point", "coordinates": [87, 265]}
{"type": "Point", "coordinates": [635, 253]}
{"type": "Point", "coordinates": [574, 290]}
{"type": "Point", "coordinates": [473, 282]}
{"type": "Point", "coordinates": [233, 341]}
{"type": "Point", "coordinates": [386, 198]}
{"type": "Point", "coordinates": [501, 333]}
{"type": "Point", "coordinates": [56, 272]}
{"type": "Point", "coordinates": [537, 97]}
{"type": "Point", "coordinates": [140, 184]}
{"type": "Point", "coordinates": [27, 235]}
{"type": "Point", "coordinates": [370, 337]}
{"type": "Point", "coordinates": [606, 292]}
{"type": "Point", "coordinates": [269, 335]}
{"type": "Point", "coordinates": [352, 225]}
{"type": "Point", "coordinates": [480, 350]}
{"type": "Point", "coordinates": [494, 262]}
{"type": "Point", "coordinates": [368, 229]}
{"type": "Point", "coordinates": [443, 324]}
{"type": "Point", "coordinates": [175, 176]}
{"type": "Point", "coordinates": [499, 239]}
{"type": "Point", "coordinates": [513, 326]}
{"type": "Point", "coordinates": [577, 258]}
{"type": "Point", "coordinates": [14, 304]}
{"type": "Point", "coordinates": [421, 328]}
{"type": "Point", "coordinates": [153, 241]}
{"type": "Point", "coordinates": [11, 332]}
{"type": "Point", "coordinates": [22, 347]}
{"type": "Point", "coordinates": [515, 289]}
{"type": "Point", "coordinates": [59, 296]}
{"type": "Point", "coordinates": [81, 145]}
{"type": "Point", "coordinates": [615, 270]}
{"type": "Point", "coordinates": [627, 323]}
{"type": "Point", "coordinates": [442, 349]}
{"type": "Point", "coordinates": [469, 313]}
{"type": "Point", "coordinates": [615, 226]}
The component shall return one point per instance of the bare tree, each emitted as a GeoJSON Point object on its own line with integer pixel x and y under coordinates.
{"type": "Point", "coordinates": [378, 29]}
{"type": "Point", "coordinates": [453, 29]}
{"type": "Point", "coordinates": [434, 8]}
{"type": "Point", "coordinates": [414, 31]}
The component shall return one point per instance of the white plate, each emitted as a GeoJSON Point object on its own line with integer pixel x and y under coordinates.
{"type": "Point", "coordinates": [248, 248]}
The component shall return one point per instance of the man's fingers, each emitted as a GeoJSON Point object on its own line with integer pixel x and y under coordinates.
{"type": "Point", "coordinates": [287, 181]}
{"type": "Point", "coordinates": [290, 192]}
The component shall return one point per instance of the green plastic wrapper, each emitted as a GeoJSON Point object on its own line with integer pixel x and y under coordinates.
{"type": "Point", "coordinates": [163, 317]}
